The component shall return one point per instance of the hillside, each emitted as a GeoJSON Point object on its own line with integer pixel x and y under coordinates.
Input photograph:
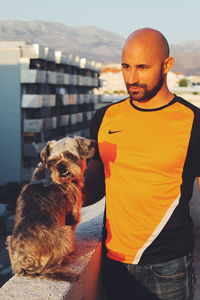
{"type": "Point", "coordinates": [91, 42]}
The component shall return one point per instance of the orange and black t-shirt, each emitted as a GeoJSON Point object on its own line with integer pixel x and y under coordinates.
{"type": "Point", "coordinates": [151, 158]}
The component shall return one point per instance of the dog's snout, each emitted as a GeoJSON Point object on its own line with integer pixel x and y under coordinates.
{"type": "Point", "coordinates": [62, 170]}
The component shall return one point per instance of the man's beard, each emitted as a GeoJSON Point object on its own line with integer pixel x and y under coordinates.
{"type": "Point", "coordinates": [146, 94]}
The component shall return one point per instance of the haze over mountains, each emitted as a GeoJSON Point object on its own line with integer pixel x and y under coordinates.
{"type": "Point", "coordinates": [92, 42]}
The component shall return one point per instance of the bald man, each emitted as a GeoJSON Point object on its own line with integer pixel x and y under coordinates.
{"type": "Point", "coordinates": [146, 162]}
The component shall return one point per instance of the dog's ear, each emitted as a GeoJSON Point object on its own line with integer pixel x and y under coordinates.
{"type": "Point", "coordinates": [86, 147]}
{"type": "Point", "coordinates": [45, 153]}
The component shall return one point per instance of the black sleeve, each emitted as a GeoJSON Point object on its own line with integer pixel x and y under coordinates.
{"type": "Point", "coordinates": [195, 144]}
{"type": "Point", "coordinates": [196, 158]}
{"type": "Point", "coordinates": [94, 128]}
{"type": "Point", "coordinates": [94, 187]}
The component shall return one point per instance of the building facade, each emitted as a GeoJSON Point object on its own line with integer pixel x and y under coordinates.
{"type": "Point", "coordinates": [44, 95]}
{"type": "Point", "coordinates": [112, 79]}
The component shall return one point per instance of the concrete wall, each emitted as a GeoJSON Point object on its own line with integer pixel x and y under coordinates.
{"type": "Point", "coordinates": [10, 115]}
{"type": "Point", "coordinates": [86, 261]}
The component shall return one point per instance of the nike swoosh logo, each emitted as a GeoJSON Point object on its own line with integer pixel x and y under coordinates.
{"type": "Point", "coordinates": [111, 132]}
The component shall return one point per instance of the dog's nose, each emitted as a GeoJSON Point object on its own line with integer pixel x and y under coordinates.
{"type": "Point", "coordinates": [61, 168]}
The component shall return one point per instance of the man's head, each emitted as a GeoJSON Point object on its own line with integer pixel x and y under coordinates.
{"type": "Point", "coordinates": [145, 63]}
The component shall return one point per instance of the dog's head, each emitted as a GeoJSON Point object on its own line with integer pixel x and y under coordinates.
{"type": "Point", "coordinates": [66, 158]}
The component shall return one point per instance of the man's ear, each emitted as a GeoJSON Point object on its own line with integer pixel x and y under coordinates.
{"type": "Point", "coordinates": [168, 64]}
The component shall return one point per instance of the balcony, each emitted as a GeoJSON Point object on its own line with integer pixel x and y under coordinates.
{"type": "Point", "coordinates": [72, 80]}
{"type": "Point", "coordinates": [32, 150]}
{"type": "Point", "coordinates": [62, 78]}
{"type": "Point", "coordinates": [72, 99]}
{"type": "Point", "coordinates": [33, 125]}
{"type": "Point", "coordinates": [87, 80]}
{"type": "Point", "coordinates": [32, 101]}
{"type": "Point", "coordinates": [33, 51]}
{"type": "Point", "coordinates": [88, 115]}
{"type": "Point", "coordinates": [73, 60]}
{"type": "Point", "coordinates": [90, 64]}
{"type": "Point", "coordinates": [66, 78]}
{"type": "Point", "coordinates": [63, 121]}
{"type": "Point", "coordinates": [51, 77]}
{"type": "Point", "coordinates": [95, 82]}
{"type": "Point", "coordinates": [38, 101]}
{"type": "Point", "coordinates": [79, 79]}
{"type": "Point", "coordinates": [80, 98]}
{"type": "Point", "coordinates": [50, 54]}
{"type": "Point", "coordinates": [62, 58]}
{"type": "Point", "coordinates": [65, 99]}
{"type": "Point", "coordinates": [86, 261]}
{"type": "Point", "coordinates": [86, 98]}
{"type": "Point", "coordinates": [49, 100]}
{"type": "Point", "coordinates": [27, 173]}
{"type": "Point", "coordinates": [94, 98]}
{"type": "Point", "coordinates": [33, 76]}
{"type": "Point", "coordinates": [50, 123]}
{"type": "Point", "coordinates": [79, 117]}
{"type": "Point", "coordinates": [73, 119]}
{"type": "Point", "coordinates": [90, 81]}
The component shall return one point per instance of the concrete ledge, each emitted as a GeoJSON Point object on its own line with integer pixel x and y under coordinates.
{"type": "Point", "coordinates": [86, 260]}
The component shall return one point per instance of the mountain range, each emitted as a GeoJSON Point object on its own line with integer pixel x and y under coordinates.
{"type": "Point", "coordinates": [92, 42]}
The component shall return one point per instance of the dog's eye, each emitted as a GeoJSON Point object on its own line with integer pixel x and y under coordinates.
{"type": "Point", "coordinates": [51, 162]}
{"type": "Point", "coordinates": [71, 156]}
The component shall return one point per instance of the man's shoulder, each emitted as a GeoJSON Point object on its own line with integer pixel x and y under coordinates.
{"type": "Point", "coordinates": [112, 104]}
{"type": "Point", "coordinates": [103, 108]}
{"type": "Point", "coordinates": [99, 116]}
{"type": "Point", "coordinates": [188, 104]}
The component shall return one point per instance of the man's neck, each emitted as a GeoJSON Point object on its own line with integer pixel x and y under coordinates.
{"type": "Point", "coordinates": [161, 99]}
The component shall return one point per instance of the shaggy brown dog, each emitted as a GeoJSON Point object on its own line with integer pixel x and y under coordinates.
{"type": "Point", "coordinates": [48, 211]}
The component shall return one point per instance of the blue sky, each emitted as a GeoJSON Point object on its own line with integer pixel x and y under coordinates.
{"type": "Point", "coordinates": [178, 20]}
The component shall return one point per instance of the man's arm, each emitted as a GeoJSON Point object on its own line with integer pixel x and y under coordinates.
{"type": "Point", "coordinates": [198, 180]}
{"type": "Point", "coordinates": [94, 187]}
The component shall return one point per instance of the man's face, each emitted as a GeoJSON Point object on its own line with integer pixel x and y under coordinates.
{"type": "Point", "coordinates": [142, 72]}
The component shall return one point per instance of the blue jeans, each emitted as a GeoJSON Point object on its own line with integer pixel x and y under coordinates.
{"type": "Point", "coordinates": [172, 280]}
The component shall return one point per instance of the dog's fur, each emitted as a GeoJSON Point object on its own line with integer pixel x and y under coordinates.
{"type": "Point", "coordinates": [48, 211]}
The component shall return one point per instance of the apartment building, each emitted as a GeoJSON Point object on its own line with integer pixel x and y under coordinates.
{"type": "Point", "coordinates": [44, 95]}
{"type": "Point", "coordinates": [112, 79]}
